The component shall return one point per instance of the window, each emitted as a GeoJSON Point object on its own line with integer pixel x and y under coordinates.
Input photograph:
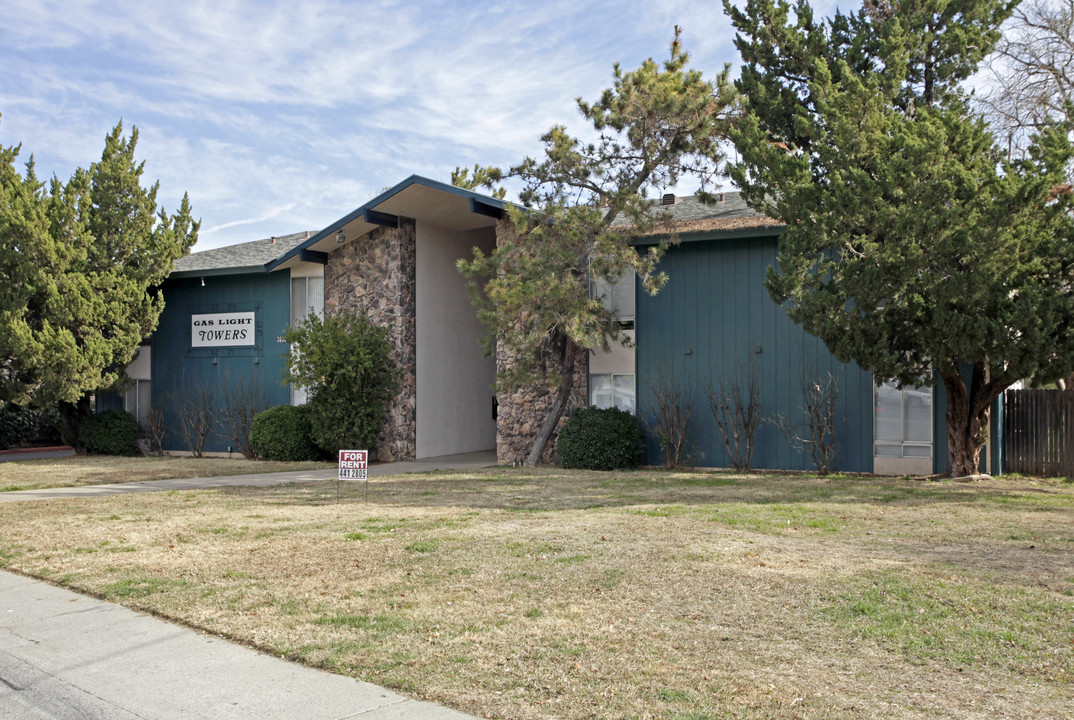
{"type": "Point", "coordinates": [612, 390]}
{"type": "Point", "coordinates": [136, 399]}
{"type": "Point", "coordinates": [903, 421]}
{"type": "Point", "coordinates": [307, 296]}
{"type": "Point", "coordinates": [618, 297]}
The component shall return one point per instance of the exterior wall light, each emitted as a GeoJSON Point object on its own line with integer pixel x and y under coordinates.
{"type": "Point", "coordinates": [340, 237]}
{"type": "Point", "coordinates": [203, 282]}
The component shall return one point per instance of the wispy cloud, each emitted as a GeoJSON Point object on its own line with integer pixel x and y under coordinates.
{"type": "Point", "coordinates": [283, 116]}
{"type": "Point", "coordinates": [274, 213]}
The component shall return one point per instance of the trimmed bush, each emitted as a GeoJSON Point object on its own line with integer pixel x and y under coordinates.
{"type": "Point", "coordinates": [109, 433]}
{"type": "Point", "coordinates": [284, 432]}
{"type": "Point", "coordinates": [601, 439]}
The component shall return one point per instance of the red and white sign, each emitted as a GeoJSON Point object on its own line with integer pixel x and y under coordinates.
{"type": "Point", "coordinates": [353, 464]}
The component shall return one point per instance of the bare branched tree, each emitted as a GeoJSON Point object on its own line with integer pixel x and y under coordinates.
{"type": "Point", "coordinates": [1032, 71]}
{"type": "Point", "coordinates": [817, 434]}
{"type": "Point", "coordinates": [670, 413]}
{"type": "Point", "coordinates": [156, 428]}
{"type": "Point", "coordinates": [243, 399]}
{"type": "Point", "coordinates": [735, 403]}
{"type": "Point", "coordinates": [197, 418]}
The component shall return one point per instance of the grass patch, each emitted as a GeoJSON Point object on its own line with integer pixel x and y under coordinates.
{"type": "Point", "coordinates": [965, 622]}
{"type": "Point", "coordinates": [82, 470]}
{"type": "Point", "coordinates": [423, 546]}
{"type": "Point", "coordinates": [140, 587]}
{"type": "Point", "coordinates": [379, 626]}
{"type": "Point", "coordinates": [548, 593]}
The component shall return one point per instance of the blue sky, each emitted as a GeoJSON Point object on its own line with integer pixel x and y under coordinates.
{"type": "Point", "coordinates": [278, 117]}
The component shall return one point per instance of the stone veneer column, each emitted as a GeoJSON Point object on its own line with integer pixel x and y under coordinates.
{"type": "Point", "coordinates": [522, 411]}
{"type": "Point", "coordinates": [375, 273]}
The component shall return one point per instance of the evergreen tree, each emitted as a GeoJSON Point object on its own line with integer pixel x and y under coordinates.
{"type": "Point", "coordinates": [654, 126]}
{"type": "Point", "coordinates": [912, 247]}
{"type": "Point", "coordinates": [79, 267]}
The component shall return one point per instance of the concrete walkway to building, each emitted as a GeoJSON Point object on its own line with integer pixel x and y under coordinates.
{"type": "Point", "coordinates": [468, 461]}
{"type": "Point", "coordinates": [64, 656]}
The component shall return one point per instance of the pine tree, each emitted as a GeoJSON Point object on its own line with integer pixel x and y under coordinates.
{"type": "Point", "coordinates": [655, 125]}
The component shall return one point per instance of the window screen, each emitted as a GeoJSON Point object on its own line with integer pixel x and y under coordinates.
{"type": "Point", "coordinates": [903, 421]}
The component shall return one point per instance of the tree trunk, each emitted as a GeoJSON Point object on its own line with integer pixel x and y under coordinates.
{"type": "Point", "coordinates": [968, 412]}
{"type": "Point", "coordinates": [559, 406]}
{"type": "Point", "coordinates": [71, 417]}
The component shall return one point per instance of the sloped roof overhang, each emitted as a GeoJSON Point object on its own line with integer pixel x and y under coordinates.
{"type": "Point", "coordinates": [416, 197]}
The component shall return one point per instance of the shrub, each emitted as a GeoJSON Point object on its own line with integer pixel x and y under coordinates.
{"type": "Point", "coordinates": [20, 425]}
{"type": "Point", "coordinates": [109, 433]}
{"type": "Point", "coordinates": [344, 361]}
{"type": "Point", "coordinates": [283, 432]}
{"type": "Point", "coordinates": [601, 439]}
{"type": "Point", "coordinates": [17, 424]}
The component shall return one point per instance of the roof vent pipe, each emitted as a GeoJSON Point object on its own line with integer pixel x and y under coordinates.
{"type": "Point", "coordinates": [668, 199]}
{"type": "Point", "coordinates": [721, 197]}
{"type": "Point", "coordinates": [272, 240]}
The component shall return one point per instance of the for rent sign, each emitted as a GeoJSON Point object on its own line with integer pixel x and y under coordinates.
{"type": "Point", "coordinates": [222, 330]}
{"type": "Point", "coordinates": [353, 464]}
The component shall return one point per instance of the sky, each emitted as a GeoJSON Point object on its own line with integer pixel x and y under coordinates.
{"type": "Point", "coordinates": [279, 117]}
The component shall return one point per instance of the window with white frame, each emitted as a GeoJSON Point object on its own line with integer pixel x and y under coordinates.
{"type": "Point", "coordinates": [617, 296]}
{"type": "Point", "coordinates": [136, 399]}
{"type": "Point", "coordinates": [307, 297]}
{"type": "Point", "coordinates": [612, 390]}
{"type": "Point", "coordinates": [902, 421]}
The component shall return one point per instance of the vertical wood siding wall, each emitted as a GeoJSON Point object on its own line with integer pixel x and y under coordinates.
{"type": "Point", "coordinates": [179, 370]}
{"type": "Point", "coordinates": [715, 316]}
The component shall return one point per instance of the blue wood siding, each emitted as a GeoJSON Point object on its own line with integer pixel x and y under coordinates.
{"type": "Point", "coordinates": [714, 317]}
{"type": "Point", "coordinates": [179, 370]}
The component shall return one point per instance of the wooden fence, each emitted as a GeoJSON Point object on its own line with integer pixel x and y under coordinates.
{"type": "Point", "coordinates": [1038, 432]}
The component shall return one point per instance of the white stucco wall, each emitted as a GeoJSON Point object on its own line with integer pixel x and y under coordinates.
{"type": "Point", "coordinates": [454, 378]}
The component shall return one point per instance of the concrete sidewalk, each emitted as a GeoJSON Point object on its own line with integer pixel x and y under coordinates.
{"type": "Point", "coordinates": [468, 461]}
{"type": "Point", "coordinates": [65, 656]}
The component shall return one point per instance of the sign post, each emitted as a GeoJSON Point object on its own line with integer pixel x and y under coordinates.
{"type": "Point", "coordinates": [353, 465]}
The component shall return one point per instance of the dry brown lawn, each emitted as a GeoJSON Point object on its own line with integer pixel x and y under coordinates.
{"type": "Point", "coordinates": [557, 594]}
{"type": "Point", "coordinates": [81, 470]}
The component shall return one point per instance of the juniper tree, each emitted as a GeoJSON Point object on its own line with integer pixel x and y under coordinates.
{"type": "Point", "coordinates": [656, 125]}
{"type": "Point", "coordinates": [79, 266]}
{"type": "Point", "coordinates": [912, 247]}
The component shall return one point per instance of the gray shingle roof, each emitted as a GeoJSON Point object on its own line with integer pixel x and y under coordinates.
{"type": "Point", "coordinates": [691, 208]}
{"type": "Point", "coordinates": [689, 214]}
{"type": "Point", "coordinates": [247, 254]}
{"type": "Point", "coordinates": [733, 206]}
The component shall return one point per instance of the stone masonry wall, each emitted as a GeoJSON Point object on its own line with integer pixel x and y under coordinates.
{"type": "Point", "coordinates": [376, 273]}
{"type": "Point", "coordinates": [522, 411]}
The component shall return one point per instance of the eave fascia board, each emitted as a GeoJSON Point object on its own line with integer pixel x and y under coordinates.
{"type": "Point", "coordinates": [211, 272]}
{"type": "Point", "coordinates": [703, 235]}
